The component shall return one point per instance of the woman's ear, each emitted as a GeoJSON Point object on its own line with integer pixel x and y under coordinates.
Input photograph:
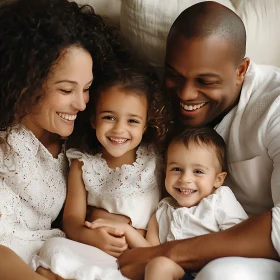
{"type": "Point", "coordinates": [220, 179]}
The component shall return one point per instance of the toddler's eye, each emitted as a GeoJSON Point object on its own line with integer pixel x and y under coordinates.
{"type": "Point", "coordinates": [178, 169]}
{"type": "Point", "coordinates": [198, 171]}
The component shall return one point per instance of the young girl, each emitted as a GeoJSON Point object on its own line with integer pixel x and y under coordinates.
{"type": "Point", "coordinates": [195, 171]}
{"type": "Point", "coordinates": [114, 166]}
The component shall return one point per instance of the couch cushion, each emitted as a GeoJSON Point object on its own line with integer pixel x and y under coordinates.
{"type": "Point", "coordinates": [146, 24]}
{"type": "Point", "coordinates": [262, 22]}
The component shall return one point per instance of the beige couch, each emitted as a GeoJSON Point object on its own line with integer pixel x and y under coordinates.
{"type": "Point", "coordinates": [146, 24]}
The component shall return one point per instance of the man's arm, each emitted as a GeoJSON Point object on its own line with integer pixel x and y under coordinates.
{"type": "Point", "coordinates": [251, 238]}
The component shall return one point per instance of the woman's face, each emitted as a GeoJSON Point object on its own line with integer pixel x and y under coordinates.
{"type": "Point", "coordinates": [65, 93]}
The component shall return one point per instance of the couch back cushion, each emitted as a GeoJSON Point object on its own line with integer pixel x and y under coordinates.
{"type": "Point", "coordinates": [146, 24]}
{"type": "Point", "coordinates": [262, 23]}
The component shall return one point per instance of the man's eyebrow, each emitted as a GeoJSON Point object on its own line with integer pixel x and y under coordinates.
{"type": "Point", "coordinates": [209, 75]}
{"type": "Point", "coordinates": [170, 68]}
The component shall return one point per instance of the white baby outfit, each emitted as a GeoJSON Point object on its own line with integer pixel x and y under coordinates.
{"type": "Point", "coordinates": [214, 213]}
{"type": "Point", "coordinates": [32, 192]}
{"type": "Point", "coordinates": [131, 190]}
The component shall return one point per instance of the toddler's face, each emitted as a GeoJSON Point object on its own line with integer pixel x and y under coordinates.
{"type": "Point", "coordinates": [120, 122]}
{"type": "Point", "coordinates": [192, 173]}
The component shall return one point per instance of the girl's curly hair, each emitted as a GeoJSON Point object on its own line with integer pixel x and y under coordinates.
{"type": "Point", "coordinates": [33, 34]}
{"type": "Point", "coordinates": [138, 80]}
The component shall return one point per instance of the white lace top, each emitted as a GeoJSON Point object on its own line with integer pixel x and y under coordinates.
{"type": "Point", "coordinates": [32, 191]}
{"type": "Point", "coordinates": [131, 190]}
{"type": "Point", "coordinates": [214, 213]}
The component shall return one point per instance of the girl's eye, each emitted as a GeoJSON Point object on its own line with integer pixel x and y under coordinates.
{"type": "Point", "coordinates": [110, 118]}
{"type": "Point", "coordinates": [86, 89]}
{"type": "Point", "coordinates": [198, 171]}
{"type": "Point", "coordinates": [178, 169]}
{"type": "Point", "coordinates": [66, 91]}
{"type": "Point", "coordinates": [133, 121]}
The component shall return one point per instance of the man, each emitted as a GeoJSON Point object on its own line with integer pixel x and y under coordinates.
{"type": "Point", "coordinates": [211, 83]}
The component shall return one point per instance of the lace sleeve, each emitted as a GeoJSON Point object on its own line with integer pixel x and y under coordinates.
{"type": "Point", "coordinates": [75, 154]}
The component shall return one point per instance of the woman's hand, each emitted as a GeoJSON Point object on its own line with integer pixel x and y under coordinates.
{"type": "Point", "coordinates": [100, 222]}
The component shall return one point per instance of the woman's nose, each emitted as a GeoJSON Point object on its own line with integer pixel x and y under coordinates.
{"type": "Point", "coordinates": [80, 100]}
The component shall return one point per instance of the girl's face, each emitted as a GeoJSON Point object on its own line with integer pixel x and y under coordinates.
{"type": "Point", "coordinates": [65, 93]}
{"type": "Point", "coordinates": [192, 173]}
{"type": "Point", "coordinates": [120, 122]}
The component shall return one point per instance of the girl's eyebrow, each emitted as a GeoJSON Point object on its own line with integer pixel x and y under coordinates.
{"type": "Point", "coordinates": [112, 112]}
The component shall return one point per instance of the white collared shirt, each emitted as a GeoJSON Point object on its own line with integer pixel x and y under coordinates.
{"type": "Point", "coordinates": [252, 135]}
{"type": "Point", "coordinates": [214, 213]}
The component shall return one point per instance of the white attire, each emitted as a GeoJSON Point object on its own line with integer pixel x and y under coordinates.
{"type": "Point", "coordinates": [251, 131]}
{"type": "Point", "coordinates": [32, 191]}
{"type": "Point", "coordinates": [131, 190]}
{"type": "Point", "coordinates": [214, 213]}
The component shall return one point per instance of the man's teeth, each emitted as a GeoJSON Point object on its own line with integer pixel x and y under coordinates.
{"type": "Point", "coordinates": [187, 191]}
{"type": "Point", "coordinates": [191, 107]}
{"type": "Point", "coordinates": [120, 141]}
{"type": "Point", "coordinates": [67, 117]}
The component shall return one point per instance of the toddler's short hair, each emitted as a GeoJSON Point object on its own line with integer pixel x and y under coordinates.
{"type": "Point", "coordinates": [203, 136]}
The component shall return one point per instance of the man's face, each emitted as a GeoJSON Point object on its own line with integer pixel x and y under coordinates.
{"type": "Point", "coordinates": [201, 77]}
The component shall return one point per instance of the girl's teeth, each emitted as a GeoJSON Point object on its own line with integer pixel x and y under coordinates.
{"type": "Point", "coordinates": [191, 107]}
{"type": "Point", "coordinates": [186, 191]}
{"type": "Point", "coordinates": [120, 141]}
{"type": "Point", "coordinates": [67, 117]}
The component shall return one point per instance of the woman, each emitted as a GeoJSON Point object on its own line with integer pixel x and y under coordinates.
{"type": "Point", "coordinates": [48, 50]}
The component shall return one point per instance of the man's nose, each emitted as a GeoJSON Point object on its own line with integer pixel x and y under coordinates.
{"type": "Point", "coordinates": [187, 91]}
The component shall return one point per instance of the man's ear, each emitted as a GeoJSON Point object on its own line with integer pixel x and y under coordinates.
{"type": "Point", "coordinates": [241, 71]}
{"type": "Point", "coordinates": [220, 179]}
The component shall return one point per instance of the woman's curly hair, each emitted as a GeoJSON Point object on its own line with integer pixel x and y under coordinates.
{"type": "Point", "coordinates": [138, 80]}
{"type": "Point", "coordinates": [33, 34]}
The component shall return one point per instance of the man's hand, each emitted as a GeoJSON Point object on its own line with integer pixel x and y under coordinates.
{"type": "Point", "coordinates": [110, 240]}
{"type": "Point", "coordinates": [133, 262]}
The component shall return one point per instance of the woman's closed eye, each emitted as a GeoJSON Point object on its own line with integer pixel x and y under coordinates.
{"type": "Point", "coordinates": [67, 91]}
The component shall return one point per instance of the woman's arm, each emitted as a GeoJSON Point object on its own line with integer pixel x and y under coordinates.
{"type": "Point", "coordinates": [251, 238]}
{"type": "Point", "coordinates": [108, 239]}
